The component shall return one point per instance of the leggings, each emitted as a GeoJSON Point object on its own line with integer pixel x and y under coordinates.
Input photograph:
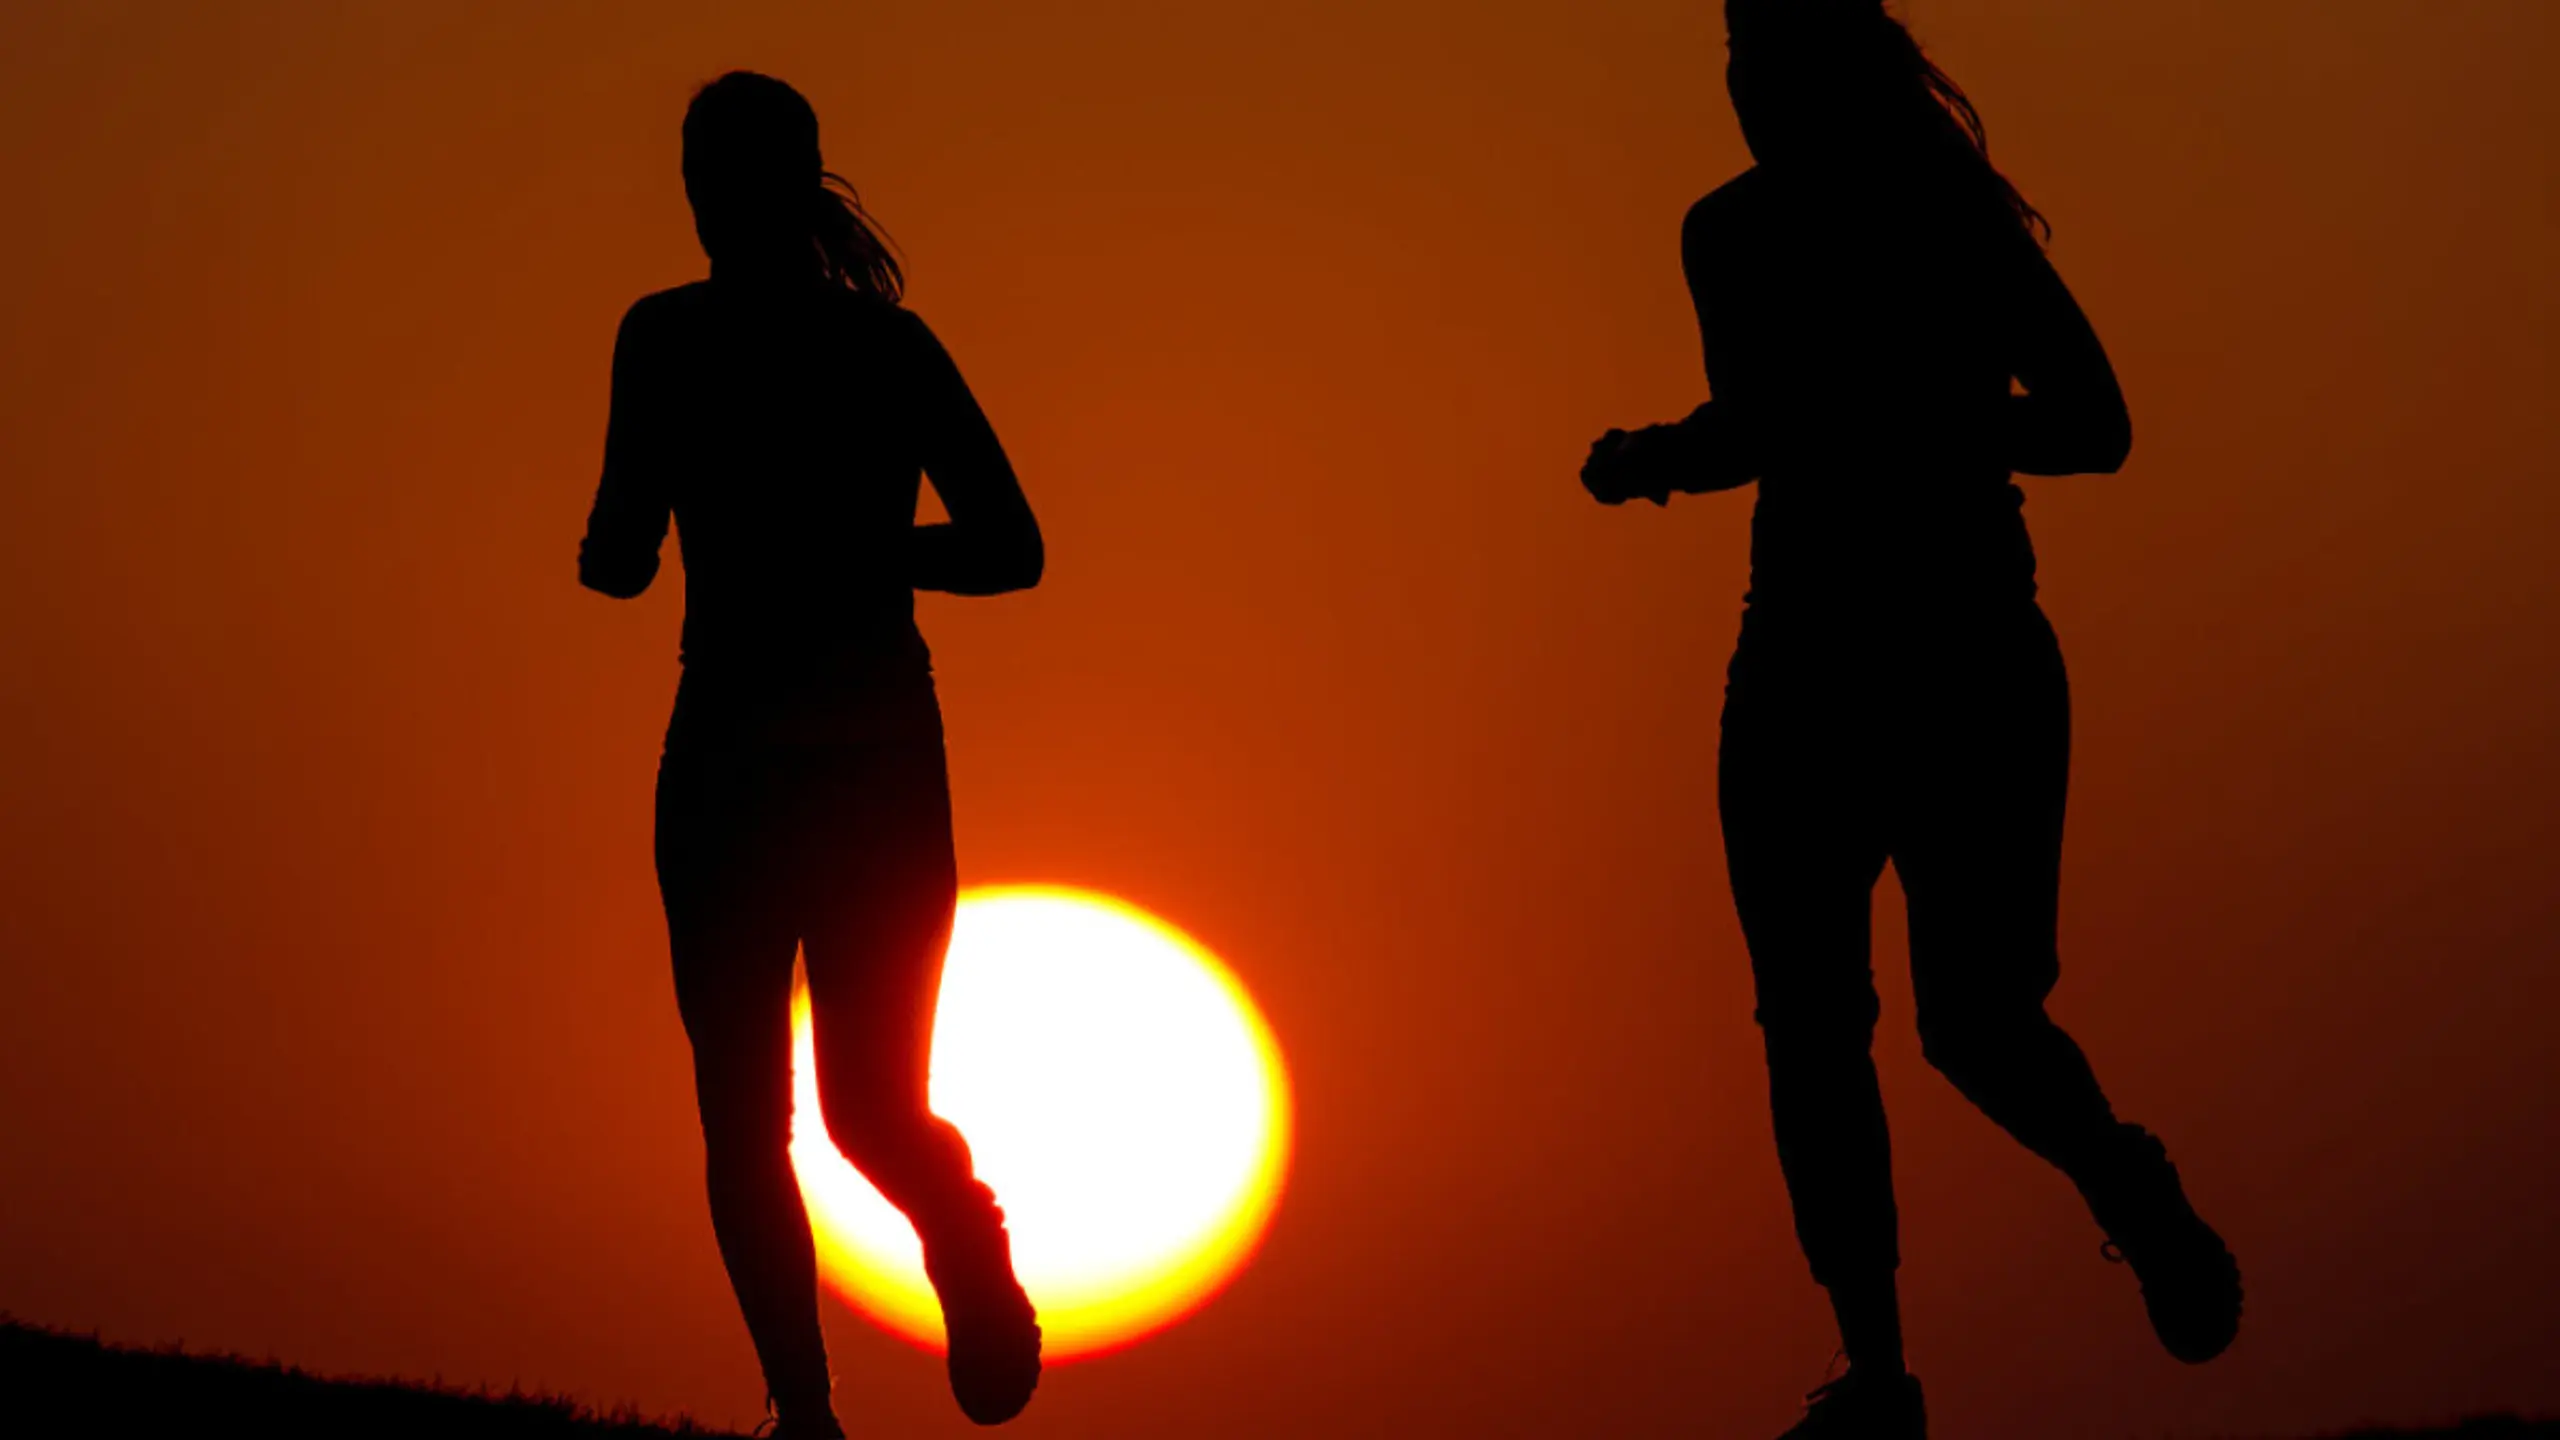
{"type": "Point", "coordinates": [769, 842]}
{"type": "Point", "coordinates": [1940, 743]}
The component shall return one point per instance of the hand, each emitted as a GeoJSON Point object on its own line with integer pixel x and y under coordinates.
{"type": "Point", "coordinates": [1624, 465]}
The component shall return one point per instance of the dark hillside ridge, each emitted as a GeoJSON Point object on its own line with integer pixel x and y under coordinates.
{"type": "Point", "coordinates": [56, 1385]}
{"type": "Point", "coordinates": [2476, 1428]}
{"type": "Point", "coordinates": [73, 1387]}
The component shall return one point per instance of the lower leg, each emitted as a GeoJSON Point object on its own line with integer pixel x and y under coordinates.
{"type": "Point", "coordinates": [730, 825]}
{"type": "Point", "coordinates": [1837, 1153]}
{"type": "Point", "coordinates": [763, 1230]}
{"type": "Point", "coordinates": [2029, 1076]}
{"type": "Point", "coordinates": [874, 973]}
{"type": "Point", "coordinates": [921, 1165]}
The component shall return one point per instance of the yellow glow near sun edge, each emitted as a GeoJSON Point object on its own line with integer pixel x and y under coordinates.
{"type": "Point", "coordinates": [1124, 1097]}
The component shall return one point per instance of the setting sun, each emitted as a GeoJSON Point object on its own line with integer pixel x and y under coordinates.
{"type": "Point", "coordinates": [1122, 1095]}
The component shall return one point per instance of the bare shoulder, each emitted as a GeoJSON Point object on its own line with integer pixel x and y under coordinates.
{"type": "Point", "coordinates": [905, 331]}
{"type": "Point", "coordinates": [896, 318]}
{"type": "Point", "coordinates": [663, 314]}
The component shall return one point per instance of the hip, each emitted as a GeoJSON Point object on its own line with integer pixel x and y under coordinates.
{"type": "Point", "coordinates": [743, 711]}
{"type": "Point", "coordinates": [820, 781]}
{"type": "Point", "coordinates": [1827, 669]}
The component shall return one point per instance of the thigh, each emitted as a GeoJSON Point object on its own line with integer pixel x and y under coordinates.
{"type": "Point", "coordinates": [1977, 832]}
{"type": "Point", "coordinates": [1803, 847]}
{"type": "Point", "coordinates": [876, 910]}
{"type": "Point", "coordinates": [730, 937]}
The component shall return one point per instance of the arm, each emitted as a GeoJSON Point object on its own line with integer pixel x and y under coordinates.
{"type": "Point", "coordinates": [619, 556]}
{"type": "Point", "coordinates": [2072, 418]}
{"type": "Point", "coordinates": [1707, 450]}
{"type": "Point", "coordinates": [1713, 447]}
{"type": "Point", "coordinates": [992, 543]}
{"type": "Point", "coordinates": [1721, 446]}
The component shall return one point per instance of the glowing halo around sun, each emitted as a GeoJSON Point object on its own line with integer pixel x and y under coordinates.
{"type": "Point", "coordinates": [1121, 1094]}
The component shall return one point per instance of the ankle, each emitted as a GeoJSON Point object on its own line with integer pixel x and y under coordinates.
{"type": "Point", "coordinates": [1875, 1370]}
{"type": "Point", "coordinates": [803, 1406]}
{"type": "Point", "coordinates": [1877, 1374]}
{"type": "Point", "coordinates": [1870, 1317]}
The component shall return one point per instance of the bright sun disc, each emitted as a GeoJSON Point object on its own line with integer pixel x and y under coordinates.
{"type": "Point", "coordinates": [1120, 1092]}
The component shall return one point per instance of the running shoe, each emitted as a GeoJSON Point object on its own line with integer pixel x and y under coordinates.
{"type": "Point", "coordinates": [994, 1335]}
{"type": "Point", "coordinates": [2190, 1282]}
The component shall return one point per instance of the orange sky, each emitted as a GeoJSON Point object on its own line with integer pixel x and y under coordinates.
{"type": "Point", "coordinates": [333, 1016]}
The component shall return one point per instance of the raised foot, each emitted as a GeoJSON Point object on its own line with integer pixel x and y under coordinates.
{"type": "Point", "coordinates": [2190, 1282]}
{"type": "Point", "coordinates": [993, 1333]}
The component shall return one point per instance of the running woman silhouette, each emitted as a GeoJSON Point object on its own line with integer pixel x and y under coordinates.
{"type": "Point", "coordinates": [1886, 346]}
{"type": "Point", "coordinates": [783, 412]}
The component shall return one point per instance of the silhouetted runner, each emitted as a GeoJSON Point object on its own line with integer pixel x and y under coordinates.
{"type": "Point", "coordinates": [783, 411]}
{"type": "Point", "coordinates": [1867, 293]}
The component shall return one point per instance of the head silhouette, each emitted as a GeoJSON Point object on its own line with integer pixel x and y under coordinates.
{"type": "Point", "coordinates": [1841, 86]}
{"type": "Point", "coordinates": [764, 203]}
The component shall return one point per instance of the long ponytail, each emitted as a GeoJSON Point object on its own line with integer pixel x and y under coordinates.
{"type": "Point", "coordinates": [851, 248]}
{"type": "Point", "coordinates": [1958, 114]}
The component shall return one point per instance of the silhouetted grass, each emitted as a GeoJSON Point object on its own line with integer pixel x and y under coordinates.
{"type": "Point", "coordinates": [2476, 1428]}
{"type": "Point", "coordinates": [53, 1384]}
{"type": "Point", "coordinates": [56, 1385]}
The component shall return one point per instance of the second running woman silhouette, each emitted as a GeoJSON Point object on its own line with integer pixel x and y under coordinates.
{"type": "Point", "coordinates": [1887, 345]}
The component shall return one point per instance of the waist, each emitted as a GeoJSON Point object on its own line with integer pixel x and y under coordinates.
{"type": "Point", "coordinates": [1875, 547]}
{"type": "Point", "coordinates": [730, 706]}
{"type": "Point", "coordinates": [1877, 655]}
{"type": "Point", "coordinates": [779, 645]}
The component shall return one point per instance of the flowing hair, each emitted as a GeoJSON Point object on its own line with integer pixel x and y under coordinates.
{"type": "Point", "coordinates": [751, 139]}
{"type": "Point", "coordinates": [853, 249]}
{"type": "Point", "coordinates": [1963, 123]}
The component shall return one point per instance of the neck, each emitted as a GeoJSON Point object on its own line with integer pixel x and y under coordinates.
{"type": "Point", "coordinates": [767, 272]}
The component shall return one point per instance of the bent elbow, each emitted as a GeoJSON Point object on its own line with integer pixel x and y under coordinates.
{"type": "Point", "coordinates": [614, 587]}
{"type": "Point", "coordinates": [2093, 440]}
{"type": "Point", "coordinates": [2114, 447]}
{"type": "Point", "coordinates": [1030, 561]}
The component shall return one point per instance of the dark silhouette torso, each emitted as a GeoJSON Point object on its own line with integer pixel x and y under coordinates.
{"type": "Point", "coordinates": [785, 430]}
{"type": "Point", "coordinates": [1871, 336]}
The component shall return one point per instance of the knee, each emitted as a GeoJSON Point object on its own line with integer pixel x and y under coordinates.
{"type": "Point", "coordinates": [1963, 1043]}
{"type": "Point", "coordinates": [869, 1125]}
{"type": "Point", "coordinates": [745, 1104]}
{"type": "Point", "coordinates": [1795, 1024]}
{"type": "Point", "coordinates": [914, 1157]}
{"type": "Point", "coordinates": [743, 1140]}
{"type": "Point", "coordinates": [856, 1125]}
